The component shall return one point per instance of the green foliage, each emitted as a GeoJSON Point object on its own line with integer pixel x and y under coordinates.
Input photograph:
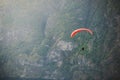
{"type": "Point", "coordinates": [74, 14]}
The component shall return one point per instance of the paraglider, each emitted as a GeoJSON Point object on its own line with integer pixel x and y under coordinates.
{"type": "Point", "coordinates": [80, 30]}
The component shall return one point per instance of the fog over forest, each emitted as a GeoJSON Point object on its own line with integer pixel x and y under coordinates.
{"type": "Point", "coordinates": [35, 42]}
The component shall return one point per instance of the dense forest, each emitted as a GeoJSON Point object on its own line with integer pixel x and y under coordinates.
{"type": "Point", "coordinates": [35, 42]}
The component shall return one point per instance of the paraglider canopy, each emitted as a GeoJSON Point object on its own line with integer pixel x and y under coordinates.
{"type": "Point", "coordinates": [80, 30]}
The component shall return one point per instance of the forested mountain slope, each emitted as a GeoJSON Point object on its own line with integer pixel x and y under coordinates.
{"type": "Point", "coordinates": [35, 40]}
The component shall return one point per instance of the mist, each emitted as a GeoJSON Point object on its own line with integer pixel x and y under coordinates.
{"type": "Point", "coordinates": [35, 40]}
